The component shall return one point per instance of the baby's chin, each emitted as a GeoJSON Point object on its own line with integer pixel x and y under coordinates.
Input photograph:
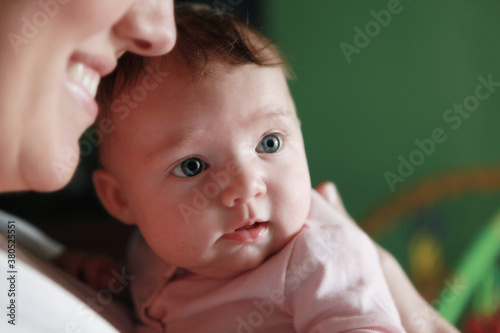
{"type": "Point", "coordinates": [231, 271]}
{"type": "Point", "coordinates": [218, 274]}
{"type": "Point", "coordinates": [248, 257]}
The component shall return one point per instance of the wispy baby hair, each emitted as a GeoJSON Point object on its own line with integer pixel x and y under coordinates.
{"type": "Point", "coordinates": [205, 37]}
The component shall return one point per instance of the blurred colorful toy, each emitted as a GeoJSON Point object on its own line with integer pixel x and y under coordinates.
{"type": "Point", "coordinates": [442, 232]}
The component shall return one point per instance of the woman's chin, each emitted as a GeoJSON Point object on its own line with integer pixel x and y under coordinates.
{"type": "Point", "coordinates": [50, 183]}
{"type": "Point", "coordinates": [50, 174]}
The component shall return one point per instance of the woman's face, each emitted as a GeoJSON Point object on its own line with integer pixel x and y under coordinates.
{"type": "Point", "coordinates": [52, 56]}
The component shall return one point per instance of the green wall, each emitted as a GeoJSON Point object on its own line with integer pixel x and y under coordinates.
{"type": "Point", "coordinates": [359, 117]}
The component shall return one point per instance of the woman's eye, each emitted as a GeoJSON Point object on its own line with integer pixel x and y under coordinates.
{"type": "Point", "coordinates": [189, 168]}
{"type": "Point", "coordinates": [269, 144]}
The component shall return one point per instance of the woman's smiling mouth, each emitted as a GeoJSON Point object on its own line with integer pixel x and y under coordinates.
{"type": "Point", "coordinates": [83, 75]}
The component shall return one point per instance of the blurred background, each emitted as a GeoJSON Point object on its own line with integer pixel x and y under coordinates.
{"type": "Point", "coordinates": [390, 96]}
{"type": "Point", "coordinates": [399, 102]}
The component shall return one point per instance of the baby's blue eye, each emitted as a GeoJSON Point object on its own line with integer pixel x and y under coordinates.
{"type": "Point", "coordinates": [189, 167]}
{"type": "Point", "coordinates": [269, 144]}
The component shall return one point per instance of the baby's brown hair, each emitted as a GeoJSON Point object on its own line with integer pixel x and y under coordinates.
{"type": "Point", "coordinates": [205, 37]}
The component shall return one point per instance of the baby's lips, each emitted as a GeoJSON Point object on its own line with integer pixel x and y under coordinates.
{"type": "Point", "coordinates": [248, 233]}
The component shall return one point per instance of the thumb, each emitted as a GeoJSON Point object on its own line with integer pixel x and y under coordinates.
{"type": "Point", "coordinates": [329, 192]}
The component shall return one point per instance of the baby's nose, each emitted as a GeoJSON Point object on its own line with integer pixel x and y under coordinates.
{"type": "Point", "coordinates": [246, 185]}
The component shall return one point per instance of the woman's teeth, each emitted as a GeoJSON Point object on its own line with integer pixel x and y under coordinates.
{"type": "Point", "coordinates": [84, 76]}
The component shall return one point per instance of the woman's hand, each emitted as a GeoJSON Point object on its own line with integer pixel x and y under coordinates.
{"type": "Point", "coordinates": [416, 314]}
{"type": "Point", "coordinates": [95, 271]}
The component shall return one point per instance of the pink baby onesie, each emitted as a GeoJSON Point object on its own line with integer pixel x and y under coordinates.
{"type": "Point", "coordinates": [326, 279]}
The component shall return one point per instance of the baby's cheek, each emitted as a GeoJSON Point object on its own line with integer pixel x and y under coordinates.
{"type": "Point", "coordinates": [298, 201]}
{"type": "Point", "coordinates": [301, 199]}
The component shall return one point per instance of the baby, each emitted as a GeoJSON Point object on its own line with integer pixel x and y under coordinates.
{"type": "Point", "coordinates": [209, 163]}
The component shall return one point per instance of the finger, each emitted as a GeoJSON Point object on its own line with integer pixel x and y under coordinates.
{"type": "Point", "coordinates": [329, 191]}
{"type": "Point", "coordinates": [98, 271]}
{"type": "Point", "coordinates": [74, 265]}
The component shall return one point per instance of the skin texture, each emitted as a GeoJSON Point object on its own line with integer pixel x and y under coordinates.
{"type": "Point", "coordinates": [41, 118]}
{"type": "Point", "coordinates": [222, 120]}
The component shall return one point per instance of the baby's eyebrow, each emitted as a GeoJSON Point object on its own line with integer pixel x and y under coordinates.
{"type": "Point", "coordinates": [278, 112]}
{"type": "Point", "coordinates": [287, 116]}
{"type": "Point", "coordinates": [175, 141]}
{"type": "Point", "coordinates": [283, 116]}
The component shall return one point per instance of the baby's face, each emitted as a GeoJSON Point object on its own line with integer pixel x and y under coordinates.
{"type": "Point", "coordinates": [215, 171]}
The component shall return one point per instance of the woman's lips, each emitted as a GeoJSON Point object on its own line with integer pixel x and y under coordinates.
{"type": "Point", "coordinates": [85, 76]}
{"type": "Point", "coordinates": [250, 233]}
{"type": "Point", "coordinates": [82, 82]}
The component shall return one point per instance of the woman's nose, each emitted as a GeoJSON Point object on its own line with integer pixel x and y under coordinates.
{"type": "Point", "coordinates": [247, 184]}
{"type": "Point", "coordinates": [148, 28]}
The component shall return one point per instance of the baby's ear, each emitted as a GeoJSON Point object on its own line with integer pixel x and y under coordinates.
{"type": "Point", "coordinates": [111, 195]}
